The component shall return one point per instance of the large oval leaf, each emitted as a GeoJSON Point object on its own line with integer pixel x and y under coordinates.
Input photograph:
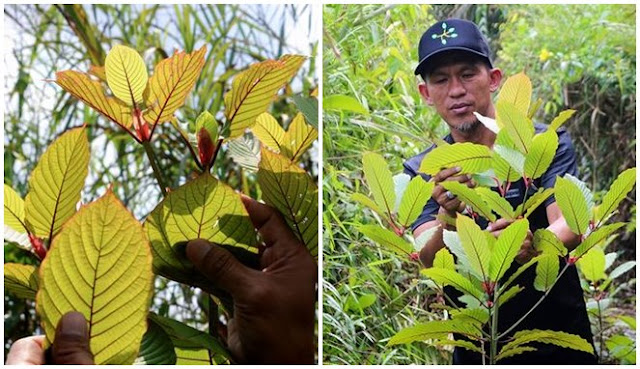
{"type": "Point", "coordinates": [591, 265]}
{"type": "Point", "coordinates": [573, 205]}
{"type": "Point", "coordinates": [100, 266]}
{"type": "Point", "coordinates": [434, 330]}
{"type": "Point", "coordinates": [470, 198]}
{"type": "Point", "coordinates": [156, 347]}
{"type": "Point", "coordinates": [497, 203]}
{"type": "Point", "coordinates": [56, 182]}
{"type": "Point", "coordinates": [386, 239]}
{"type": "Point", "coordinates": [470, 157]}
{"type": "Point", "coordinates": [13, 210]}
{"type": "Point", "coordinates": [543, 149]}
{"type": "Point", "coordinates": [203, 208]}
{"type": "Point", "coordinates": [298, 138]}
{"type": "Point", "coordinates": [380, 181]}
{"type": "Point", "coordinates": [617, 192]}
{"type": "Point", "coordinates": [269, 131]}
{"type": "Point", "coordinates": [292, 191]}
{"type": "Point", "coordinates": [546, 272]}
{"type": "Point", "coordinates": [126, 74]}
{"type": "Point", "coordinates": [21, 280]}
{"type": "Point", "coordinates": [254, 89]}
{"type": "Point", "coordinates": [474, 244]}
{"type": "Point", "coordinates": [170, 84]}
{"type": "Point", "coordinates": [517, 125]}
{"type": "Point", "coordinates": [413, 200]}
{"type": "Point", "coordinates": [506, 248]}
{"type": "Point", "coordinates": [447, 277]}
{"type": "Point", "coordinates": [517, 91]}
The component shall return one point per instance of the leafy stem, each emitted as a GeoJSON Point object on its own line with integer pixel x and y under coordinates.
{"type": "Point", "coordinates": [494, 331]}
{"type": "Point", "coordinates": [154, 165]}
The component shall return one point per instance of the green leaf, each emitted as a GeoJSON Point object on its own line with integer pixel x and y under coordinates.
{"type": "Point", "coordinates": [586, 192]}
{"type": "Point", "coordinates": [596, 237]}
{"type": "Point", "coordinates": [208, 122]}
{"type": "Point", "coordinates": [386, 239]}
{"type": "Point", "coordinates": [621, 269]}
{"type": "Point", "coordinates": [254, 89]}
{"type": "Point", "coordinates": [293, 192]}
{"type": "Point", "coordinates": [617, 192]}
{"type": "Point", "coordinates": [622, 347]}
{"type": "Point", "coordinates": [474, 244]}
{"type": "Point", "coordinates": [447, 277]}
{"type": "Point", "coordinates": [185, 337]}
{"type": "Point", "coordinates": [309, 107]}
{"type": "Point", "coordinates": [546, 272]}
{"type": "Point", "coordinates": [298, 138]}
{"type": "Point", "coordinates": [156, 347]}
{"type": "Point", "coordinates": [509, 294]}
{"type": "Point", "coordinates": [380, 181]}
{"type": "Point", "coordinates": [453, 242]}
{"type": "Point", "coordinates": [517, 91]}
{"type": "Point", "coordinates": [536, 200]}
{"type": "Point", "coordinates": [497, 203]}
{"type": "Point", "coordinates": [541, 154]}
{"type": "Point", "coordinates": [512, 157]}
{"type": "Point", "coordinates": [573, 205]}
{"type": "Point", "coordinates": [517, 125]}
{"type": "Point", "coordinates": [562, 339]}
{"type": "Point", "coordinates": [202, 208]}
{"type": "Point", "coordinates": [519, 271]}
{"type": "Point", "coordinates": [14, 210]}
{"type": "Point", "coordinates": [560, 119]}
{"type": "Point", "coordinates": [506, 248]}
{"type": "Point", "coordinates": [514, 351]}
{"type": "Point", "coordinates": [21, 280]}
{"type": "Point", "coordinates": [126, 74]}
{"type": "Point", "coordinates": [245, 152]}
{"type": "Point", "coordinates": [400, 183]}
{"type": "Point", "coordinates": [56, 182]}
{"type": "Point", "coordinates": [444, 260]}
{"type": "Point", "coordinates": [470, 198]}
{"type": "Point", "coordinates": [99, 265]}
{"type": "Point", "coordinates": [367, 202]}
{"type": "Point", "coordinates": [433, 330]}
{"type": "Point", "coordinates": [413, 200]}
{"type": "Point", "coordinates": [269, 131]}
{"type": "Point", "coordinates": [547, 242]}
{"type": "Point", "coordinates": [458, 343]}
{"type": "Point", "coordinates": [591, 264]}
{"type": "Point", "coordinates": [501, 168]}
{"type": "Point", "coordinates": [367, 300]}
{"type": "Point", "coordinates": [476, 316]}
{"type": "Point", "coordinates": [470, 157]}
{"type": "Point", "coordinates": [629, 320]}
{"type": "Point", "coordinates": [172, 80]}
{"type": "Point", "coordinates": [343, 103]}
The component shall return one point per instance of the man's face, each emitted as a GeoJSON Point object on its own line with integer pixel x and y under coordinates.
{"type": "Point", "coordinates": [459, 88]}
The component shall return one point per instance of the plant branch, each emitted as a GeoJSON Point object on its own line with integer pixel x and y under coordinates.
{"type": "Point", "coordinates": [154, 165]}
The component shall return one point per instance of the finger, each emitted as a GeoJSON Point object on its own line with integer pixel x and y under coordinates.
{"type": "Point", "coordinates": [499, 224]}
{"type": "Point", "coordinates": [26, 351]}
{"type": "Point", "coordinates": [445, 173]}
{"type": "Point", "coordinates": [270, 224]}
{"type": "Point", "coordinates": [219, 266]}
{"type": "Point", "coordinates": [71, 343]}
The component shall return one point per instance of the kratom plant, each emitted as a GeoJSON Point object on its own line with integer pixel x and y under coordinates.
{"type": "Point", "coordinates": [100, 260]}
{"type": "Point", "coordinates": [474, 262]}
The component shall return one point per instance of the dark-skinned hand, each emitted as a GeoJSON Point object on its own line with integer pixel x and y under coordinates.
{"type": "Point", "coordinates": [70, 345]}
{"type": "Point", "coordinates": [527, 252]}
{"type": "Point", "coordinates": [439, 194]}
{"type": "Point", "coordinates": [274, 315]}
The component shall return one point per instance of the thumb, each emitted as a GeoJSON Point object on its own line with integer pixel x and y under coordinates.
{"type": "Point", "coordinates": [71, 343]}
{"type": "Point", "coordinates": [219, 266]}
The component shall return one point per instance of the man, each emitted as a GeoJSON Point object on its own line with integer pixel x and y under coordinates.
{"type": "Point", "coordinates": [274, 307]}
{"type": "Point", "coordinates": [459, 77]}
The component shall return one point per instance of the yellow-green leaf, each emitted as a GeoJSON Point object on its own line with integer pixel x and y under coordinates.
{"type": "Point", "coordinates": [292, 191]}
{"type": "Point", "coordinates": [546, 272]}
{"type": "Point", "coordinates": [156, 347]}
{"type": "Point", "coordinates": [21, 280]}
{"type": "Point", "coordinates": [435, 329]}
{"type": "Point", "coordinates": [558, 338]}
{"type": "Point", "coordinates": [470, 157]}
{"type": "Point", "coordinates": [536, 200]}
{"type": "Point", "coordinates": [444, 260]}
{"type": "Point", "coordinates": [343, 103]}
{"type": "Point", "coordinates": [447, 277]}
{"type": "Point", "coordinates": [591, 264]}
{"type": "Point", "coordinates": [56, 182]}
{"type": "Point", "coordinates": [506, 248]}
{"type": "Point", "coordinates": [269, 131]}
{"type": "Point", "coordinates": [501, 167]}
{"type": "Point", "coordinates": [126, 74]}
{"type": "Point", "coordinates": [254, 89]}
{"type": "Point", "coordinates": [100, 266]}
{"type": "Point", "coordinates": [517, 91]}
{"type": "Point", "coordinates": [497, 203]}
{"type": "Point", "coordinates": [98, 71]}
{"type": "Point", "coordinates": [474, 244]}
{"type": "Point", "coordinates": [573, 205]}
{"type": "Point", "coordinates": [208, 122]}
{"type": "Point", "coordinates": [617, 192]}
{"type": "Point", "coordinates": [470, 198]}
{"type": "Point", "coordinates": [386, 239]}
{"type": "Point", "coordinates": [517, 125]}
{"type": "Point", "coordinates": [514, 351]}
{"type": "Point", "coordinates": [509, 294]}
{"type": "Point", "coordinates": [91, 93]}
{"type": "Point", "coordinates": [546, 241]}
{"type": "Point", "coordinates": [380, 181]}
{"type": "Point", "coordinates": [172, 80]}
{"type": "Point", "coordinates": [298, 138]}
{"type": "Point", "coordinates": [560, 119]}
{"type": "Point", "coordinates": [203, 208]}
{"type": "Point", "coordinates": [413, 200]}
{"type": "Point", "coordinates": [13, 210]}
{"type": "Point", "coordinates": [245, 151]}
{"type": "Point", "coordinates": [543, 149]}
{"type": "Point", "coordinates": [367, 202]}
{"type": "Point", "coordinates": [596, 237]}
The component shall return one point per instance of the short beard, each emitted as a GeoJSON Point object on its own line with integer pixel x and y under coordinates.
{"type": "Point", "coordinates": [467, 128]}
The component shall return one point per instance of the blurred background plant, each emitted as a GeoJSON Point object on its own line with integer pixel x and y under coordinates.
{"type": "Point", "coordinates": [42, 39]}
{"type": "Point", "coordinates": [578, 56]}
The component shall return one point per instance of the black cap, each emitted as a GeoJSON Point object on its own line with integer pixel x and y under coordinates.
{"type": "Point", "coordinates": [451, 34]}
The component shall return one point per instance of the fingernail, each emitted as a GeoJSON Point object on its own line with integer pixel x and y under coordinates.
{"type": "Point", "coordinates": [74, 324]}
{"type": "Point", "coordinates": [197, 249]}
{"type": "Point", "coordinates": [489, 228]}
{"type": "Point", "coordinates": [458, 169]}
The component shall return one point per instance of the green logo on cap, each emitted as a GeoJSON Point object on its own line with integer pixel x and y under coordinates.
{"type": "Point", "coordinates": [446, 33]}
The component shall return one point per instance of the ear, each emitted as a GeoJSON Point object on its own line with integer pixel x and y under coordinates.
{"type": "Point", "coordinates": [424, 92]}
{"type": "Point", "coordinates": [495, 78]}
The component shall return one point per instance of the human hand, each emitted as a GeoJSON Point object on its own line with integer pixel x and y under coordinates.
{"type": "Point", "coordinates": [274, 316]}
{"type": "Point", "coordinates": [526, 252]}
{"type": "Point", "coordinates": [446, 199]}
{"type": "Point", "coordinates": [70, 345]}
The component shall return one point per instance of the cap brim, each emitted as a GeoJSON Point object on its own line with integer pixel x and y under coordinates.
{"type": "Point", "coordinates": [423, 63]}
